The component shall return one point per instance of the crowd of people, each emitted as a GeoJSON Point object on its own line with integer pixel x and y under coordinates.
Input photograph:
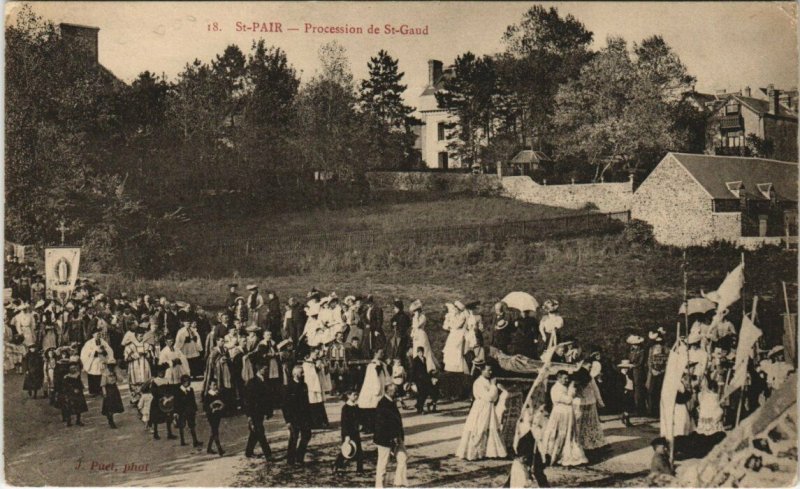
{"type": "Point", "coordinates": [258, 355]}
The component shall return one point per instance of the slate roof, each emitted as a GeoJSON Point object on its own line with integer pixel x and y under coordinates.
{"type": "Point", "coordinates": [761, 107]}
{"type": "Point", "coordinates": [713, 172]}
{"type": "Point", "coordinates": [529, 156]}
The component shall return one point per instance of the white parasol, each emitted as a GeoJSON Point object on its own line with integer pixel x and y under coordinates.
{"type": "Point", "coordinates": [522, 301]}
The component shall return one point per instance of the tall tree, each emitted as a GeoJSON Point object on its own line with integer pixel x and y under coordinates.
{"type": "Point", "coordinates": [381, 99]}
{"type": "Point", "coordinates": [620, 114]}
{"type": "Point", "coordinates": [469, 94]}
{"type": "Point", "coordinates": [542, 52]}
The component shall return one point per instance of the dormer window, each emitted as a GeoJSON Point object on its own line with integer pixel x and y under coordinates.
{"type": "Point", "coordinates": [732, 108]}
{"type": "Point", "coordinates": [766, 190]}
{"type": "Point", "coordinates": [735, 188]}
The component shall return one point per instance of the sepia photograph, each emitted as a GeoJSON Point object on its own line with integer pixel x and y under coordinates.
{"type": "Point", "coordinates": [400, 244]}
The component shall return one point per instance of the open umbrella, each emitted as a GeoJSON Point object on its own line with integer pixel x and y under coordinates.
{"type": "Point", "coordinates": [522, 301]}
{"type": "Point", "coordinates": [697, 305]}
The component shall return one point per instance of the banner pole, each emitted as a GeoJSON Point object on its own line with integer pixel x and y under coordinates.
{"type": "Point", "coordinates": [685, 294]}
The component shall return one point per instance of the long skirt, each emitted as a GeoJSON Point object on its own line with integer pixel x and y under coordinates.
{"type": "Point", "coordinates": [587, 424]}
{"type": "Point", "coordinates": [319, 418]}
{"type": "Point", "coordinates": [112, 402]}
{"type": "Point", "coordinates": [682, 421]}
{"type": "Point", "coordinates": [560, 440]}
{"type": "Point", "coordinates": [481, 437]}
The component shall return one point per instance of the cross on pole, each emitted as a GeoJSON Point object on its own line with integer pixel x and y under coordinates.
{"type": "Point", "coordinates": [63, 229]}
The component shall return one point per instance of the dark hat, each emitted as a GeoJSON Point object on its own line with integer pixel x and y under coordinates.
{"type": "Point", "coordinates": [398, 304]}
{"type": "Point", "coordinates": [659, 441]}
{"type": "Point", "coordinates": [185, 377]}
{"type": "Point", "coordinates": [233, 285]}
{"type": "Point", "coordinates": [473, 304]}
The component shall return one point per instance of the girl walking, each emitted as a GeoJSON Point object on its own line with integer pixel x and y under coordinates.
{"type": "Point", "coordinates": [112, 401]}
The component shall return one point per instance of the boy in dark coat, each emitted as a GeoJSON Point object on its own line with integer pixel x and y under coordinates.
{"type": "Point", "coordinates": [297, 413]}
{"type": "Point", "coordinates": [214, 408]}
{"type": "Point", "coordinates": [73, 400]}
{"type": "Point", "coordinates": [257, 405]}
{"type": "Point", "coordinates": [350, 432]}
{"type": "Point", "coordinates": [162, 409]}
{"type": "Point", "coordinates": [186, 409]}
{"type": "Point", "coordinates": [421, 378]}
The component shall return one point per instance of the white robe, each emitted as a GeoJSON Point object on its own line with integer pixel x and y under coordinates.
{"type": "Point", "coordinates": [311, 376]}
{"type": "Point", "coordinates": [138, 366]}
{"type": "Point", "coordinates": [419, 338]}
{"type": "Point", "coordinates": [454, 345]}
{"type": "Point", "coordinates": [374, 385]}
{"type": "Point", "coordinates": [174, 372]}
{"type": "Point", "coordinates": [191, 349]}
{"type": "Point", "coordinates": [95, 364]}
{"type": "Point", "coordinates": [474, 326]}
{"type": "Point", "coordinates": [481, 436]}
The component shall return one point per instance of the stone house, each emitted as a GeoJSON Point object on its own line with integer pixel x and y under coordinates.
{"type": "Point", "coordinates": [738, 115]}
{"type": "Point", "coordinates": [693, 199]}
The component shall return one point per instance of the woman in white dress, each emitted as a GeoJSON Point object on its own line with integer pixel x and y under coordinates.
{"type": "Point", "coordinates": [587, 422]}
{"type": "Point", "coordinates": [709, 411]}
{"type": "Point", "coordinates": [419, 338]}
{"type": "Point", "coordinates": [454, 322]}
{"type": "Point", "coordinates": [560, 438]}
{"type": "Point", "coordinates": [481, 437]}
{"type": "Point", "coordinates": [550, 323]}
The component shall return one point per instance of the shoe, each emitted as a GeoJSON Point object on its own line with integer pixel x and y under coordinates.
{"type": "Point", "coordinates": [156, 437]}
{"type": "Point", "coordinates": [210, 451]}
{"type": "Point", "coordinates": [69, 424]}
{"type": "Point", "coordinates": [172, 437]}
{"type": "Point", "coordinates": [113, 426]}
{"type": "Point", "coordinates": [79, 423]}
{"type": "Point", "coordinates": [198, 444]}
{"type": "Point", "coordinates": [221, 452]}
{"type": "Point", "coordinates": [183, 443]}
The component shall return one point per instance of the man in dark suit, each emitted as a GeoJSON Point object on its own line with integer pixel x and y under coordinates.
{"type": "Point", "coordinates": [390, 439]}
{"type": "Point", "coordinates": [297, 413]}
{"type": "Point", "coordinates": [421, 378]}
{"type": "Point", "coordinates": [374, 338]}
{"type": "Point", "coordinates": [401, 327]}
{"type": "Point", "coordinates": [257, 406]}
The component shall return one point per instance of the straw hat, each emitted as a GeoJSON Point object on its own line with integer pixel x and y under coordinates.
{"type": "Point", "coordinates": [778, 349]}
{"type": "Point", "coordinates": [348, 449]}
{"type": "Point", "coordinates": [634, 340]}
{"type": "Point", "coordinates": [459, 305]}
{"type": "Point", "coordinates": [252, 287]}
{"type": "Point", "coordinates": [415, 306]}
{"type": "Point", "coordinates": [625, 364]}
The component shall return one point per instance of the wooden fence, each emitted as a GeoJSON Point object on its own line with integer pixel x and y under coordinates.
{"type": "Point", "coordinates": [532, 230]}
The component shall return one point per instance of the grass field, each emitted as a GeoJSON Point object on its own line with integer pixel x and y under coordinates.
{"type": "Point", "coordinates": [390, 212]}
{"type": "Point", "coordinates": [607, 288]}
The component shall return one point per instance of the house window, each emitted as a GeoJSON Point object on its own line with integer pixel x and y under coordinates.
{"type": "Point", "coordinates": [443, 163]}
{"type": "Point", "coordinates": [732, 108]}
{"type": "Point", "coordinates": [440, 131]}
{"type": "Point", "coordinates": [734, 141]}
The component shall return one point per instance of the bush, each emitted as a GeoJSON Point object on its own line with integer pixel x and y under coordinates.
{"type": "Point", "coordinates": [590, 206]}
{"type": "Point", "coordinates": [638, 232]}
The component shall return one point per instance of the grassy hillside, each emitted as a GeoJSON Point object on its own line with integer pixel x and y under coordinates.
{"type": "Point", "coordinates": [607, 288]}
{"type": "Point", "coordinates": [391, 212]}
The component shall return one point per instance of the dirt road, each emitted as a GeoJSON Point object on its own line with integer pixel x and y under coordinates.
{"type": "Point", "coordinates": [40, 450]}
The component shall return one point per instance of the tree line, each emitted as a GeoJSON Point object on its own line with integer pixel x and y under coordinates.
{"type": "Point", "coordinates": [598, 114]}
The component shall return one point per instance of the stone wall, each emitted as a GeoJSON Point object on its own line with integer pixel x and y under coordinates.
{"type": "Point", "coordinates": [727, 226]}
{"type": "Point", "coordinates": [677, 207]}
{"type": "Point", "coordinates": [426, 181]}
{"type": "Point", "coordinates": [606, 197]}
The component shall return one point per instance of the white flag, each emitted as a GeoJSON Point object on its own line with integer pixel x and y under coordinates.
{"type": "Point", "coordinates": [673, 375]}
{"type": "Point", "coordinates": [748, 336]}
{"type": "Point", "coordinates": [730, 290]}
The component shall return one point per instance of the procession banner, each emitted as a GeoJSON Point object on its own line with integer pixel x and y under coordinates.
{"type": "Point", "coordinates": [730, 290]}
{"type": "Point", "coordinates": [676, 365]}
{"type": "Point", "coordinates": [749, 334]}
{"type": "Point", "coordinates": [61, 271]}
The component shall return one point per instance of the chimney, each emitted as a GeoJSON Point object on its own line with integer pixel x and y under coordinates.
{"type": "Point", "coordinates": [434, 71]}
{"type": "Point", "coordinates": [773, 95]}
{"type": "Point", "coordinates": [720, 91]}
{"type": "Point", "coordinates": [81, 38]}
{"type": "Point", "coordinates": [746, 92]}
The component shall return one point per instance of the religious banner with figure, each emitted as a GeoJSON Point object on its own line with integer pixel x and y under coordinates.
{"type": "Point", "coordinates": [61, 271]}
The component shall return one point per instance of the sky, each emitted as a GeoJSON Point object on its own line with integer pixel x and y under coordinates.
{"type": "Point", "coordinates": [725, 45]}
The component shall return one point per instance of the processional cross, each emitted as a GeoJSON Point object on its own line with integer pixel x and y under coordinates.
{"type": "Point", "coordinates": [63, 230]}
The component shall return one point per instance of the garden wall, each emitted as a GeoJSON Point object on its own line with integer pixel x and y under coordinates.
{"type": "Point", "coordinates": [607, 197]}
{"type": "Point", "coordinates": [425, 181]}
